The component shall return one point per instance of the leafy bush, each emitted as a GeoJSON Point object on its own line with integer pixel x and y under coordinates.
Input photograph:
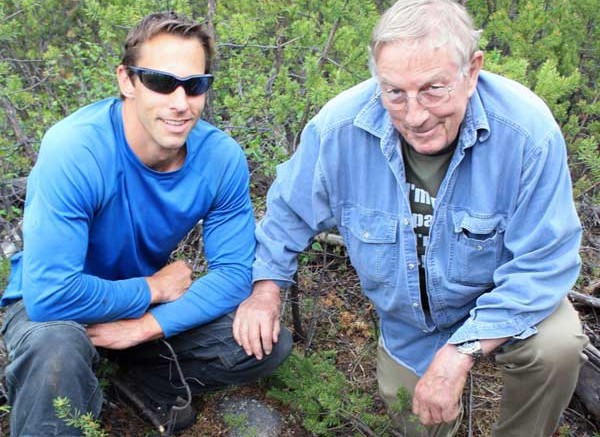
{"type": "Point", "coordinates": [275, 70]}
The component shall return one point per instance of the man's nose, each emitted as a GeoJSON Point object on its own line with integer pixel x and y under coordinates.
{"type": "Point", "coordinates": [178, 99]}
{"type": "Point", "coordinates": [415, 113]}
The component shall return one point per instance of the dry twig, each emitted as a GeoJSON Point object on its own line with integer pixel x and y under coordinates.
{"type": "Point", "coordinates": [586, 299]}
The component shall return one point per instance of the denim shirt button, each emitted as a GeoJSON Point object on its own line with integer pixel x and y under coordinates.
{"type": "Point", "coordinates": [415, 304]}
{"type": "Point", "coordinates": [479, 247]}
{"type": "Point", "coordinates": [411, 266]}
{"type": "Point", "coordinates": [406, 222]}
{"type": "Point", "coordinates": [366, 234]}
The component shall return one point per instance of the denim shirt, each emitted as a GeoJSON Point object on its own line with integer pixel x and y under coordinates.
{"type": "Point", "coordinates": [504, 240]}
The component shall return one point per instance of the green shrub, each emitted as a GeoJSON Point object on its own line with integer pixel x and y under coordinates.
{"type": "Point", "coordinates": [314, 386]}
{"type": "Point", "coordinates": [84, 422]}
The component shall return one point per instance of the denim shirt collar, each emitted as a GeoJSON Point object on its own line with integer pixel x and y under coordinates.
{"type": "Point", "coordinates": [374, 118]}
{"type": "Point", "coordinates": [475, 125]}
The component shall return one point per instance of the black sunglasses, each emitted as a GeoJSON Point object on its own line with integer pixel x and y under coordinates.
{"type": "Point", "coordinates": [165, 83]}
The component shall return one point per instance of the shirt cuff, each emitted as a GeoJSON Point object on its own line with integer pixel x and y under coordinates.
{"type": "Point", "coordinates": [281, 283]}
{"type": "Point", "coordinates": [471, 331]}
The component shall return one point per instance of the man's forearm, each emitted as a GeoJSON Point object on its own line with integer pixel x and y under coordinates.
{"type": "Point", "coordinates": [124, 334]}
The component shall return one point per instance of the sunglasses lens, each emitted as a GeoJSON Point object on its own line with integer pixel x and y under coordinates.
{"type": "Point", "coordinates": [197, 85]}
{"type": "Point", "coordinates": [158, 82]}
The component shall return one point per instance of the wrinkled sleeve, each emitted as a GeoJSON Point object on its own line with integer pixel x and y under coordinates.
{"type": "Point", "coordinates": [543, 236]}
{"type": "Point", "coordinates": [229, 244]}
{"type": "Point", "coordinates": [298, 208]}
{"type": "Point", "coordinates": [64, 189]}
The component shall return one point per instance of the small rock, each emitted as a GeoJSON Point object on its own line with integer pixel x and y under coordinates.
{"type": "Point", "coordinates": [248, 417]}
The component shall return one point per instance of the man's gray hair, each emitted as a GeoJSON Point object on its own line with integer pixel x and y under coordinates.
{"type": "Point", "coordinates": [435, 22]}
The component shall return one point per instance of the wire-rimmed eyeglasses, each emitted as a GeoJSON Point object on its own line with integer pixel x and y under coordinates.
{"type": "Point", "coordinates": [431, 97]}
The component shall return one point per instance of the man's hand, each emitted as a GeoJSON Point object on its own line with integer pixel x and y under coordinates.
{"type": "Point", "coordinates": [256, 324]}
{"type": "Point", "coordinates": [437, 393]}
{"type": "Point", "coordinates": [170, 282]}
{"type": "Point", "coordinates": [124, 334]}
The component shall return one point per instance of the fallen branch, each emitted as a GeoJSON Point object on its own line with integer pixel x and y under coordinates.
{"type": "Point", "coordinates": [585, 299]}
{"type": "Point", "coordinates": [593, 287]}
{"type": "Point", "coordinates": [134, 399]}
{"type": "Point", "coordinates": [333, 239]}
{"type": "Point", "coordinates": [588, 385]}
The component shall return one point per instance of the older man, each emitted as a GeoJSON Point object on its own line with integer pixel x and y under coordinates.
{"type": "Point", "coordinates": [450, 188]}
{"type": "Point", "coordinates": [117, 185]}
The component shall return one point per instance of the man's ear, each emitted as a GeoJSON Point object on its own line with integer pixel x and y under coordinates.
{"type": "Point", "coordinates": [125, 82]}
{"type": "Point", "coordinates": [474, 68]}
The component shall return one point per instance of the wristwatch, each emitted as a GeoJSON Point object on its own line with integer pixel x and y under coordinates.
{"type": "Point", "coordinates": [472, 348]}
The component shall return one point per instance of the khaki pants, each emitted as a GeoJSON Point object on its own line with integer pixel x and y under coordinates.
{"type": "Point", "coordinates": [539, 373]}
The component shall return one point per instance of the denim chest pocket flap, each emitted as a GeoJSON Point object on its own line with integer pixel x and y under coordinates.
{"type": "Point", "coordinates": [478, 228]}
{"type": "Point", "coordinates": [476, 248]}
{"type": "Point", "coordinates": [370, 237]}
{"type": "Point", "coordinates": [369, 225]}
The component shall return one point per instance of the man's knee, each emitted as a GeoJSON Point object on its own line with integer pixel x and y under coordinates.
{"type": "Point", "coordinates": [565, 353]}
{"type": "Point", "coordinates": [55, 348]}
{"type": "Point", "coordinates": [557, 346]}
{"type": "Point", "coordinates": [51, 360]}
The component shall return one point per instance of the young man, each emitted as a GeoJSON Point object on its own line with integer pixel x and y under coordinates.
{"type": "Point", "coordinates": [116, 186]}
{"type": "Point", "coordinates": [450, 188]}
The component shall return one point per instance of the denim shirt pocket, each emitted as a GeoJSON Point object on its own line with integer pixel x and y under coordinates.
{"type": "Point", "coordinates": [475, 248]}
{"type": "Point", "coordinates": [370, 237]}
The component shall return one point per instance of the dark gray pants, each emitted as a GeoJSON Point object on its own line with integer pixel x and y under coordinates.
{"type": "Point", "coordinates": [57, 359]}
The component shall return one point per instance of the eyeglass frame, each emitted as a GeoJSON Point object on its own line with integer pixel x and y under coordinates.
{"type": "Point", "coordinates": [446, 97]}
{"type": "Point", "coordinates": [178, 80]}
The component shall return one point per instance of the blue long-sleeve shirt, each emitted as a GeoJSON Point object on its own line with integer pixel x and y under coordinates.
{"type": "Point", "coordinates": [504, 238]}
{"type": "Point", "coordinates": [97, 221]}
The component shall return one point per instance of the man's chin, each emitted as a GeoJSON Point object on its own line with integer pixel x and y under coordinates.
{"type": "Point", "coordinates": [174, 142]}
{"type": "Point", "coordinates": [429, 148]}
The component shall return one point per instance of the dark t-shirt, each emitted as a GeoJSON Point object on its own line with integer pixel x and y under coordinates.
{"type": "Point", "coordinates": [424, 175]}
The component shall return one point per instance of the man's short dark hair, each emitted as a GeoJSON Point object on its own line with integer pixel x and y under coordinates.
{"type": "Point", "coordinates": [170, 23]}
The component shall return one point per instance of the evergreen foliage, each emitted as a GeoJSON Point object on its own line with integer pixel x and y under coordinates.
{"type": "Point", "coordinates": [86, 423]}
{"type": "Point", "coordinates": [330, 406]}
